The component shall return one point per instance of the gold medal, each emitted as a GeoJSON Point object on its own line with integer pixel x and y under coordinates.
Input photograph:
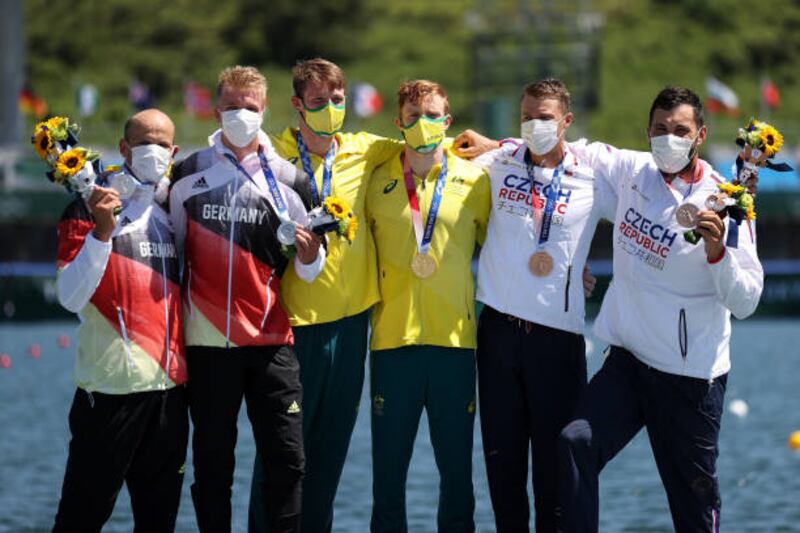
{"type": "Point", "coordinates": [540, 264]}
{"type": "Point", "coordinates": [686, 215]}
{"type": "Point", "coordinates": [423, 266]}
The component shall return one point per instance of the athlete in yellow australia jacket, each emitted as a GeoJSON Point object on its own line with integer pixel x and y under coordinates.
{"type": "Point", "coordinates": [329, 316]}
{"type": "Point", "coordinates": [426, 209]}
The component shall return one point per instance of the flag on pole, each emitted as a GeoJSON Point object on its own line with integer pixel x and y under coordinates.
{"type": "Point", "coordinates": [197, 101]}
{"type": "Point", "coordinates": [29, 103]}
{"type": "Point", "coordinates": [139, 95]}
{"type": "Point", "coordinates": [770, 97]}
{"type": "Point", "coordinates": [367, 101]}
{"type": "Point", "coordinates": [720, 98]}
{"type": "Point", "coordinates": [87, 98]}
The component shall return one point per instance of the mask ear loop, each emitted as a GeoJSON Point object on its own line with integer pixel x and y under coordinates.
{"type": "Point", "coordinates": [695, 150]}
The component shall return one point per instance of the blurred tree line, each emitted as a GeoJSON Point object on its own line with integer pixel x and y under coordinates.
{"type": "Point", "coordinates": [643, 46]}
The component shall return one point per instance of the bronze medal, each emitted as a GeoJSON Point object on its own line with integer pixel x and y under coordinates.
{"type": "Point", "coordinates": [540, 264]}
{"type": "Point", "coordinates": [686, 215]}
{"type": "Point", "coordinates": [423, 265]}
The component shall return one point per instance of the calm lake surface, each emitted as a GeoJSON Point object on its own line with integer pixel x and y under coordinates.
{"type": "Point", "coordinates": [760, 475]}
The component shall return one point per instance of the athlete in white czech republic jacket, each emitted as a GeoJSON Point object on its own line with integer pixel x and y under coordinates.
{"type": "Point", "coordinates": [666, 316]}
{"type": "Point", "coordinates": [547, 199]}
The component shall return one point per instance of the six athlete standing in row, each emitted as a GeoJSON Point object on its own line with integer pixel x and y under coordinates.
{"type": "Point", "coordinates": [201, 307]}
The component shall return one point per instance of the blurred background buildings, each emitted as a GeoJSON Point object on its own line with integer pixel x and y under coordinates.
{"type": "Point", "coordinates": [99, 61]}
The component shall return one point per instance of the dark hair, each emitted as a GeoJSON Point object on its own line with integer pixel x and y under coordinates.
{"type": "Point", "coordinates": [315, 71]}
{"type": "Point", "coordinates": [549, 88]}
{"type": "Point", "coordinates": [671, 97]}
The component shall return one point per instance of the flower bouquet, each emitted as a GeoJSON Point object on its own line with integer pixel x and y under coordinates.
{"type": "Point", "coordinates": [56, 142]}
{"type": "Point", "coordinates": [760, 143]}
{"type": "Point", "coordinates": [334, 215]}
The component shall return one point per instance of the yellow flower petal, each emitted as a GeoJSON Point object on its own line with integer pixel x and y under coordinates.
{"type": "Point", "coordinates": [71, 162]}
{"type": "Point", "coordinates": [771, 139]}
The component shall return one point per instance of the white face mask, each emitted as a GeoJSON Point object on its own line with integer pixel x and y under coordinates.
{"type": "Point", "coordinates": [150, 162]}
{"type": "Point", "coordinates": [241, 126]}
{"type": "Point", "coordinates": [671, 153]}
{"type": "Point", "coordinates": [541, 136]}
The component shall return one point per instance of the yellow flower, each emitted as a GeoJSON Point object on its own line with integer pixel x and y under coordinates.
{"type": "Point", "coordinates": [730, 189]}
{"type": "Point", "coordinates": [42, 142]}
{"type": "Point", "coordinates": [55, 122]}
{"type": "Point", "coordinates": [771, 138]}
{"type": "Point", "coordinates": [351, 229]}
{"type": "Point", "coordinates": [336, 207]}
{"type": "Point", "coordinates": [750, 213]}
{"type": "Point", "coordinates": [71, 162]}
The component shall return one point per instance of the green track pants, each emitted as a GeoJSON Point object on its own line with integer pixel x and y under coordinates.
{"type": "Point", "coordinates": [403, 382]}
{"type": "Point", "coordinates": [331, 357]}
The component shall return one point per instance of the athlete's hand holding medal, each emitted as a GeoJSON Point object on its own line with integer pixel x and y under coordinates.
{"type": "Point", "coordinates": [759, 142]}
{"type": "Point", "coordinates": [333, 216]}
{"type": "Point", "coordinates": [730, 200]}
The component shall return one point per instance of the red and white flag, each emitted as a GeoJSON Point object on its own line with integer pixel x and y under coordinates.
{"type": "Point", "coordinates": [720, 98]}
{"type": "Point", "coordinates": [367, 101]}
{"type": "Point", "coordinates": [770, 97]}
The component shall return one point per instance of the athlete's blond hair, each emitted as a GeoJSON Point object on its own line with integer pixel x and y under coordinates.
{"type": "Point", "coordinates": [240, 77]}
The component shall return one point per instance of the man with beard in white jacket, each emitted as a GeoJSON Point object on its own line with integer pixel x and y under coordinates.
{"type": "Point", "coordinates": [666, 316]}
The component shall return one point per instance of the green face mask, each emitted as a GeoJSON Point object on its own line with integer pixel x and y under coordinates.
{"type": "Point", "coordinates": [326, 119]}
{"type": "Point", "coordinates": [425, 133]}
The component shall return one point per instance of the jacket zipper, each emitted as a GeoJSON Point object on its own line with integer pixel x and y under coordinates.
{"type": "Point", "coordinates": [127, 342]}
{"type": "Point", "coordinates": [566, 289]}
{"type": "Point", "coordinates": [189, 290]}
{"type": "Point", "coordinates": [683, 337]}
{"type": "Point", "coordinates": [230, 261]}
{"type": "Point", "coordinates": [269, 300]}
{"type": "Point", "coordinates": [166, 305]}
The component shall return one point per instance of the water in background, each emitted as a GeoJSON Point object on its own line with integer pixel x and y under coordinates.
{"type": "Point", "coordinates": [760, 476]}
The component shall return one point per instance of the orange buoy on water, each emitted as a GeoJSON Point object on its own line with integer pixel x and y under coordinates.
{"type": "Point", "coordinates": [35, 351]}
{"type": "Point", "coordinates": [63, 341]}
{"type": "Point", "coordinates": [5, 361]}
{"type": "Point", "coordinates": [794, 440]}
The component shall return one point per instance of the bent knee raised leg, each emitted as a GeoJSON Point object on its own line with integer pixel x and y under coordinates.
{"type": "Point", "coordinates": [576, 437]}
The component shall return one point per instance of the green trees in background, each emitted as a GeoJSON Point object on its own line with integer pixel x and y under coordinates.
{"type": "Point", "coordinates": [644, 45]}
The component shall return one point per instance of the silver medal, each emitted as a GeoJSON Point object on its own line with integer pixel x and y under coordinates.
{"type": "Point", "coordinates": [124, 184]}
{"type": "Point", "coordinates": [286, 233]}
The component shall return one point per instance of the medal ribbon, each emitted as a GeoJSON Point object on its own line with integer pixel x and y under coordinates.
{"type": "Point", "coordinates": [550, 205]}
{"type": "Point", "coordinates": [326, 173]}
{"type": "Point", "coordinates": [272, 183]}
{"type": "Point", "coordinates": [424, 238]}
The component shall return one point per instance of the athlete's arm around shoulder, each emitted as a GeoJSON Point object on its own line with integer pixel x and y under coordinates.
{"type": "Point", "coordinates": [483, 208]}
{"type": "Point", "coordinates": [376, 149]}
